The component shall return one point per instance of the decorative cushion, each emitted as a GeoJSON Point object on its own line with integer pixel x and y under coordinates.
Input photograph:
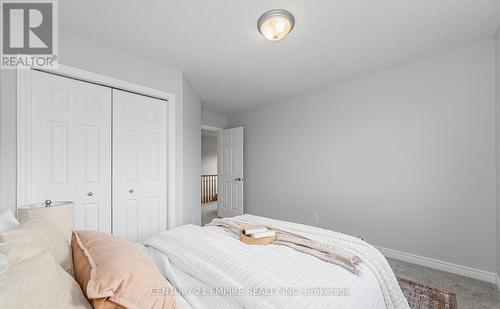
{"type": "Point", "coordinates": [8, 221]}
{"type": "Point", "coordinates": [114, 273]}
{"type": "Point", "coordinates": [40, 233]}
{"type": "Point", "coordinates": [34, 280]}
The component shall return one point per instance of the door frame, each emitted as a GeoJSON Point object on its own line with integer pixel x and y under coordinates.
{"type": "Point", "coordinates": [23, 126]}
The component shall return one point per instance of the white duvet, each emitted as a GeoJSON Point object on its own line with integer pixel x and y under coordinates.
{"type": "Point", "coordinates": [236, 275]}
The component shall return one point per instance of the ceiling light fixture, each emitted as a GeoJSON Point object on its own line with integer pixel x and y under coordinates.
{"type": "Point", "coordinates": [274, 25]}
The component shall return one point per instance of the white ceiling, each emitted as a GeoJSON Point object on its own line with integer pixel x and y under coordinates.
{"type": "Point", "coordinates": [232, 67]}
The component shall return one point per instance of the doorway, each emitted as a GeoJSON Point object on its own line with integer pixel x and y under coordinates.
{"type": "Point", "coordinates": [222, 173]}
{"type": "Point", "coordinates": [209, 190]}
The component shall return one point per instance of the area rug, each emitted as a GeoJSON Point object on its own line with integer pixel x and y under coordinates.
{"type": "Point", "coordinates": [423, 297]}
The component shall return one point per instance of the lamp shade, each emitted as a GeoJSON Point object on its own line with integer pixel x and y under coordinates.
{"type": "Point", "coordinates": [59, 213]}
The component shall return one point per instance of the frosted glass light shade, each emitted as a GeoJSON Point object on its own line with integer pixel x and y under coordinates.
{"type": "Point", "coordinates": [276, 24]}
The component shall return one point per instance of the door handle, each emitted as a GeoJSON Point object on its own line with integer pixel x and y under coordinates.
{"type": "Point", "coordinates": [90, 193]}
{"type": "Point", "coordinates": [131, 191]}
{"type": "Point", "coordinates": [238, 179]}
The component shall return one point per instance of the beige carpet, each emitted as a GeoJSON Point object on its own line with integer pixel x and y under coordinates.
{"type": "Point", "coordinates": [208, 212]}
{"type": "Point", "coordinates": [470, 293]}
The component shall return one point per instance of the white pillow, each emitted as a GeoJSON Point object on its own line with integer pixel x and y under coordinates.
{"type": "Point", "coordinates": [8, 221]}
{"type": "Point", "coordinates": [3, 263]}
{"type": "Point", "coordinates": [39, 232]}
{"type": "Point", "coordinates": [34, 280]}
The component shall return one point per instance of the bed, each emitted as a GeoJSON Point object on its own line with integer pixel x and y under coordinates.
{"type": "Point", "coordinates": [211, 268]}
{"type": "Point", "coordinates": [204, 267]}
{"type": "Point", "coordinates": [328, 286]}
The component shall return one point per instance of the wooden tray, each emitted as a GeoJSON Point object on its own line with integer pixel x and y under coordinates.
{"type": "Point", "coordinates": [256, 241]}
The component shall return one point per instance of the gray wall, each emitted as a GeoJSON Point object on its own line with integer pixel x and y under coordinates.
{"type": "Point", "coordinates": [191, 156]}
{"type": "Point", "coordinates": [405, 157]}
{"type": "Point", "coordinates": [7, 140]}
{"type": "Point", "coordinates": [213, 119]}
{"type": "Point", "coordinates": [82, 53]}
{"type": "Point", "coordinates": [497, 135]}
{"type": "Point", "coordinates": [208, 155]}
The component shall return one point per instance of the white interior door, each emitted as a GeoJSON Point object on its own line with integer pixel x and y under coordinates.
{"type": "Point", "coordinates": [139, 165]}
{"type": "Point", "coordinates": [70, 147]}
{"type": "Point", "coordinates": [230, 172]}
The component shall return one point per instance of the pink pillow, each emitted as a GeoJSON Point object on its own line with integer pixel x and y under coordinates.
{"type": "Point", "coordinates": [113, 272]}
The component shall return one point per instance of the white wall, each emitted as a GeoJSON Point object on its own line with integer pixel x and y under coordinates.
{"type": "Point", "coordinates": [213, 119]}
{"type": "Point", "coordinates": [208, 155]}
{"type": "Point", "coordinates": [82, 53]}
{"type": "Point", "coordinates": [191, 156]}
{"type": "Point", "coordinates": [405, 157]}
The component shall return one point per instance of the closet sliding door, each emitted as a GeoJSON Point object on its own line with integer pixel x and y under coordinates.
{"type": "Point", "coordinates": [68, 148]}
{"type": "Point", "coordinates": [139, 165]}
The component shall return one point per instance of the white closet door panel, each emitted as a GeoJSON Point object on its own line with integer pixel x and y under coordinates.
{"type": "Point", "coordinates": [155, 168]}
{"type": "Point", "coordinates": [70, 143]}
{"type": "Point", "coordinates": [93, 156]}
{"type": "Point", "coordinates": [139, 164]}
{"type": "Point", "coordinates": [52, 139]}
{"type": "Point", "coordinates": [87, 216]}
{"type": "Point", "coordinates": [131, 222]}
{"type": "Point", "coordinates": [126, 167]}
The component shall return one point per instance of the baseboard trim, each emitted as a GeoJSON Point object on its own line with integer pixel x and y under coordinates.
{"type": "Point", "coordinates": [442, 265]}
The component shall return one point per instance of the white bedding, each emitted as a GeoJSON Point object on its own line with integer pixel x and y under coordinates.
{"type": "Point", "coordinates": [181, 280]}
{"type": "Point", "coordinates": [207, 258]}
